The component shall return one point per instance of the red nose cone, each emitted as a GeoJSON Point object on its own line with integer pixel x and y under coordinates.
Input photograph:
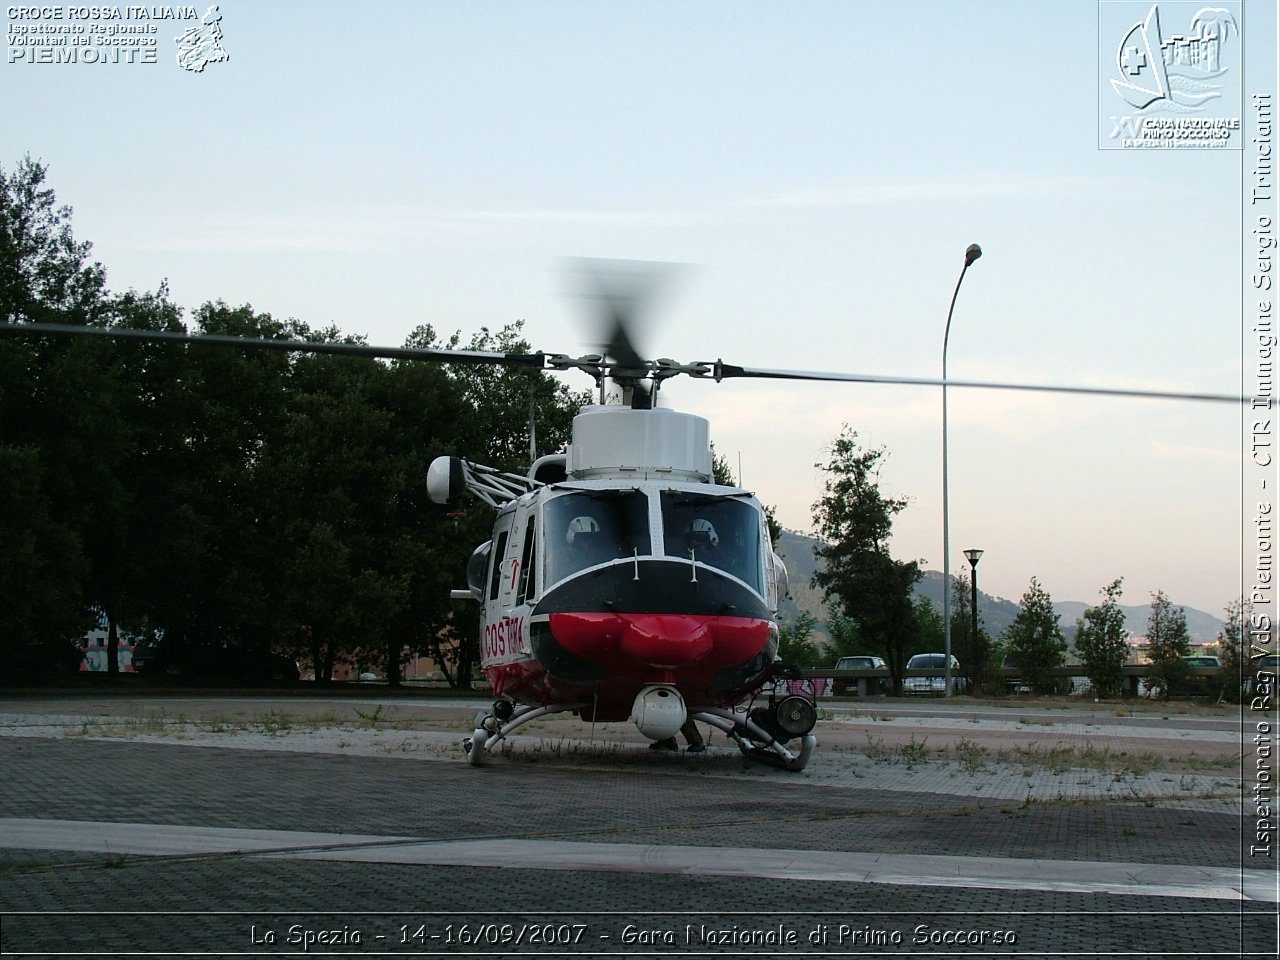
{"type": "Point", "coordinates": [667, 639]}
{"type": "Point", "coordinates": [660, 639]}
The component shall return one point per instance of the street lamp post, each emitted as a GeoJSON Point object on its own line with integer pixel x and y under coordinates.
{"type": "Point", "coordinates": [973, 555]}
{"type": "Point", "coordinates": [972, 253]}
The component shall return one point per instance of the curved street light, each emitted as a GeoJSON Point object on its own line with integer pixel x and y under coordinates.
{"type": "Point", "coordinates": [972, 253]}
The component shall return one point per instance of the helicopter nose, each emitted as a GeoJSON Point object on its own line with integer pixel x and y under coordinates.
{"type": "Point", "coordinates": [660, 639]}
{"type": "Point", "coordinates": [667, 639]}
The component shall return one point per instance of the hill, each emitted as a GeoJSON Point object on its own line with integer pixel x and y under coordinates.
{"type": "Point", "coordinates": [797, 551]}
{"type": "Point", "coordinates": [1203, 627]}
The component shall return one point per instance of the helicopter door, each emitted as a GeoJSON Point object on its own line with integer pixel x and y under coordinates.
{"type": "Point", "coordinates": [512, 582]}
{"type": "Point", "coordinates": [499, 568]}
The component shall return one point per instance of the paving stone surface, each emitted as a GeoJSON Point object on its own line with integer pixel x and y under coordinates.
{"type": "Point", "coordinates": [339, 779]}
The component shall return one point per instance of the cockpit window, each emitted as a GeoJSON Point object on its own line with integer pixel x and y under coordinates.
{"type": "Point", "coordinates": [589, 528]}
{"type": "Point", "coordinates": [721, 531]}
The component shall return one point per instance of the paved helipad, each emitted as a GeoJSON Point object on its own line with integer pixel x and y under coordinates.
{"type": "Point", "coordinates": [274, 826]}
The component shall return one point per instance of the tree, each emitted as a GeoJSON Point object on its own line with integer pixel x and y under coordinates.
{"type": "Point", "coordinates": [721, 472]}
{"type": "Point", "coordinates": [61, 437]}
{"type": "Point", "coordinates": [334, 473]}
{"type": "Point", "coordinates": [1034, 640]}
{"type": "Point", "coordinates": [794, 644]}
{"type": "Point", "coordinates": [929, 628]}
{"type": "Point", "coordinates": [498, 405]}
{"type": "Point", "coordinates": [1102, 641]}
{"type": "Point", "coordinates": [973, 652]}
{"type": "Point", "coordinates": [502, 402]}
{"type": "Point", "coordinates": [132, 454]}
{"type": "Point", "coordinates": [1233, 647]}
{"type": "Point", "coordinates": [846, 638]}
{"type": "Point", "coordinates": [220, 585]}
{"type": "Point", "coordinates": [41, 579]}
{"type": "Point", "coordinates": [868, 586]}
{"type": "Point", "coordinates": [45, 275]}
{"type": "Point", "coordinates": [1167, 643]}
{"type": "Point", "coordinates": [961, 622]}
{"type": "Point", "coordinates": [234, 500]}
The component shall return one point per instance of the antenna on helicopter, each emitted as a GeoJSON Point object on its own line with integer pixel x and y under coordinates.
{"type": "Point", "coordinates": [533, 433]}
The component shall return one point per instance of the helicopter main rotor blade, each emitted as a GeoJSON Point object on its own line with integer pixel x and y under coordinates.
{"type": "Point", "coordinates": [719, 370]}
{"type": "Point", "coordinates": [728, 371]}
{"type": "Point", "coordinates": [537, 360]}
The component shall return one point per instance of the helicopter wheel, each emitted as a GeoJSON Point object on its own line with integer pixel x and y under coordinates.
{"type": "Point", "coordinates": [474, 748]}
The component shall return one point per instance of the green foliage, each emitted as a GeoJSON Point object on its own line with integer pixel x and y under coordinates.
{"type": "Point", "coordinates": [846, 638]}
{"type": "Point", "coordinates": [929, 625]}
{"type": "Point", "coordinates": [235, 501]}
{"type": "Point", "coordinates": [45, 275]}
{"type": "Point", "coordinates": [721, 472]}
{"type": "Point", "coordinates": [1167, 643]}
{"type": "Point", "coordinates": [1034, 640]}
{"type": "Point", "coordinates": [1233, 648]}
{"type": "Point", "coordinates": [867, 585]}
{"type": "Point", "coordinates": [973, 651]}
{"type": "Point", "coordinates": [1103, 642]}
{"type": "Point", "coordinates": [796, 646]}
{"type": "Point", "coordinates": [58, 507]}
{"type": "Point", "coordinates": [41, 579]}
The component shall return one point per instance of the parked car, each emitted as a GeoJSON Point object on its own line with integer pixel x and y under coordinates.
{"type": "Point", "coordinates": [1268, 664]}
{"type": "Point", "coordinates": [1012, 682]}
{"type": "Point", "coordinates": [938, 684]}
{"type": "Point", "coordinates": [1202, 660]}
{"type": "Point", "coordinates": [1195, 684]}
{"type": "Point", "coordinates": [841, 687]}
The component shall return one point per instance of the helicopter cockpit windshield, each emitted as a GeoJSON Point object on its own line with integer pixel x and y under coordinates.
{"type": "Point", "coordinates": [596, 527]}
{"type": "Point", "coordinates": [723, 532]}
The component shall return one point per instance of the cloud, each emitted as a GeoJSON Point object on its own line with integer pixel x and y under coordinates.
{"type": "Point", "coordinates": [355, 231]}
{"type": "Point", "coordinates": [868, 194]}
{"type": "Point", "coordinates": [660, 218]}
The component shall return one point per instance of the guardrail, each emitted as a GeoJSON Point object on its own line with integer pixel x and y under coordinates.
{"type": "Point", "coordinates": [1133, 674]}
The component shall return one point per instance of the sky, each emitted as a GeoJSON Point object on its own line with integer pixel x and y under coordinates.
{"type": "Point", "coordinates": [819, 166]}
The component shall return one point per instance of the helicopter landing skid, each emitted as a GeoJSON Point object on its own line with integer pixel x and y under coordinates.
{"type": "Point", "coordinates": [489, 730]}
{"type": "Point", "coordinates": [756, 743]}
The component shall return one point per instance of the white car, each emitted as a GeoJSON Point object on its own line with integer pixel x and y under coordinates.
{"type": "Point", "coordinates": [842, 687]}
{"type": "Point", "coordinates": [933, 661]}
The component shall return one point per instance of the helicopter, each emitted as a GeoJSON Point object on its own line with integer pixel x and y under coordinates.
{"type": "Point", "coordinates": [621, 582]}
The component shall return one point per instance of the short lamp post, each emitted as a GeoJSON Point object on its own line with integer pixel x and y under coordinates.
{"type": "Point", "coordinates": [973, 555]}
